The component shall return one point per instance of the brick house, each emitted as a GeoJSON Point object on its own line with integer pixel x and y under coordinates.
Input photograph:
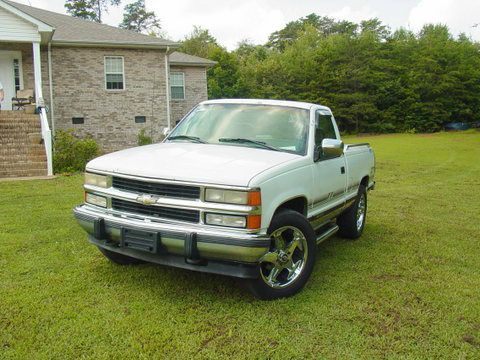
{"type": "Point", "coordinates": [96, 79]}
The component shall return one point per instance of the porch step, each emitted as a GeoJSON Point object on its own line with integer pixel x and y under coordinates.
{"type": "Point", "coordinates": [22, 153]}
{"type": "Point", "coordinates": [23, 173]}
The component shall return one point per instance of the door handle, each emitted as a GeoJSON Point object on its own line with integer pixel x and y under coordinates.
{"type": "Point", "coordinates": [342, 170]}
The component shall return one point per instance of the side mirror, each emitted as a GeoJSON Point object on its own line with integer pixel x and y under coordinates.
{"type": "Point", "coordinates": [330, 148]}
{"type": "Point", "coordinates": [166, 131]}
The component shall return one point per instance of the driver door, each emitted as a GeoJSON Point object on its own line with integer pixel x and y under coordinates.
{"type": "Point", "coordinates": [329, 173]}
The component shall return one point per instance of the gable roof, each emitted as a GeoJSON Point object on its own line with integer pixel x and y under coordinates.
{"type": "Point", "coordinates": [74, 31]}
{"type": "Point", "coordinates": [178, 58]}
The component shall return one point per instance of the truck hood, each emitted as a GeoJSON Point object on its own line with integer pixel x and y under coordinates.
{"type": "Point", "coordinates": [202, 163]}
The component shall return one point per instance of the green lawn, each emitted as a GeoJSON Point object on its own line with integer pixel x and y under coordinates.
{"type": "Point", "coordinates": [408, 288]}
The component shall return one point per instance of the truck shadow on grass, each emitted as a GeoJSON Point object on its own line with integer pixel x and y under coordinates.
{"type": "Point", "coordinates": [336, 258]}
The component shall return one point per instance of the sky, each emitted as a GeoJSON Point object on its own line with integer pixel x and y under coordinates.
{"type": "Point", "coordinates": [233, 21]}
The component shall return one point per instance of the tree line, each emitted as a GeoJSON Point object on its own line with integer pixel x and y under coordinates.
{"type": "Point", "coordinates": [374, 79]}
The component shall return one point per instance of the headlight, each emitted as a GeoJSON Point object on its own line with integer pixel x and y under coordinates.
{"type": "Point", "coordinates": [95, 200]}
{"type": "Point", "coordinates": [96, 180]}
{"type": "Point", "coordinates": [251, 222]}
{"type": "Point", "coordinates": [226, 220]}
{"type": "Point", "coordinates": [233, 197]}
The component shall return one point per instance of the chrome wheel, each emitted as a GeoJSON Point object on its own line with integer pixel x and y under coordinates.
{"type": "Point", "coordinates": [285, 261]}
{"type": "Point", "coordinates": [361, 211]}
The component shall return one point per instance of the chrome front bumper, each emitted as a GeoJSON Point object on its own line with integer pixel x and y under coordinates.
{"type": "Point", "coordinates": [194, 246]}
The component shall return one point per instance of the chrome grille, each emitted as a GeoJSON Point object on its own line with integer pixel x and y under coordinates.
{"type": "Point", "coordinates": [169, 190]}
{"type": "Point", "coordinates": [192, 216]}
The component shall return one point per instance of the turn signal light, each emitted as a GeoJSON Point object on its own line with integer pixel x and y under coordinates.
{"type": "Point", "coordinates": [254, 222]}
{"type": "Point", "coordinates": [254, 198]}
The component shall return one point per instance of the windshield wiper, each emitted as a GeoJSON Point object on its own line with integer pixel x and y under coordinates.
{"type": "Point", "coordinates": [248, 141]}
{"type": "Point", "coordinates": [187, 137]}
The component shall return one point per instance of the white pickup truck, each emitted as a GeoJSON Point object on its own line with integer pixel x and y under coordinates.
{"type": "Point", "coordinates": [245, 188]}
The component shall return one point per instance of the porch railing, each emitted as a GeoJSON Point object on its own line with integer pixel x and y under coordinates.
{"type": "Point", "coordinates": [47, 139]}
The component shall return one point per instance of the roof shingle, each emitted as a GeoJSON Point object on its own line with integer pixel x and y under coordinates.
{"type": "Point", "coordinates": [69, 29]}
{"type": "Point", "coordinates": [178, 58]}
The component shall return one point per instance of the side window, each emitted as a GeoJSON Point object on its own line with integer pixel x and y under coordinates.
{"type": "Point", "coordinates": [114, 73]}
{"type": "Point", "coordinates": [177, 85]}
{"type": "Point", "coordinates": [324, 127]}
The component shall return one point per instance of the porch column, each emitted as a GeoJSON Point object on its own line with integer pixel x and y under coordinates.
{"type": "Point", "coordinates": [37, 71]}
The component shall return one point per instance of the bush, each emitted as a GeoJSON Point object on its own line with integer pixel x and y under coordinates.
{"type": "Point", "coordinates": [143, 139]}
{"type": "Point", "coordinates": [71, 153]}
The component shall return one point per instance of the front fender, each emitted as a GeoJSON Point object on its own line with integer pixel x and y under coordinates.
{"type": "Point", "coordinates": [283, 187]}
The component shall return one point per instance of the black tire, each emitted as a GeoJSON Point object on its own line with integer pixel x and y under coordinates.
{"type": "Point", "coordinates": [290, 224]}
{"type": "Point", "coordinates": [119, 259]}
{"type": "Point", "coordinates": [347, 221]}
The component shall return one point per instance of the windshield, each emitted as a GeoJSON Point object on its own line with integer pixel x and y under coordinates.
{"type": "Point", "coordinates": [260, 126]}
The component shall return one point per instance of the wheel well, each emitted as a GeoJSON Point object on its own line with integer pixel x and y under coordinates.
{"type": "Point", "coordinates": [364, 181]}
{"type": "Point", "coordinates": [298, 204]}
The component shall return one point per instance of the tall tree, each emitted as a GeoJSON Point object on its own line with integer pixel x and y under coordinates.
{"type": "Point", "coordinates": [137, 18]}
{"type": "Point", "coordinates": [199, 42]}
{"type": "Point", "coordinates": [222, 78]}
{"type": "Point", "coordinates": [89, 9]}
{"type": "Point", "coordinates": [324, 25]}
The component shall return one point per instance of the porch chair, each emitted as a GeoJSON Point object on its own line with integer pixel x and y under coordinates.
{"type": "Point", "coordinates": [24, 97]}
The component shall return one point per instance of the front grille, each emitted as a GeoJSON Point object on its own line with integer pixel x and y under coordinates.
{"type": "Point", "coordinates": [143, 187]}
{"type": "Point", "coordinates": [156, 211]}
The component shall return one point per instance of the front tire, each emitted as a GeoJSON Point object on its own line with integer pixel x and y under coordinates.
{"type": "Point", "coordinates": [352, 221]}
{"type": "Point", "coordinates": [119, 259]}
{"type": "Point", "coordinates": [285, 269]}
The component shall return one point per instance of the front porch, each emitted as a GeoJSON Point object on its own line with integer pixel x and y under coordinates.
{"type": "Point", "coordinates": [22, 70]}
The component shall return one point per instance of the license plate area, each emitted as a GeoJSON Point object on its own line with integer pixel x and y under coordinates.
{"type": "Point", "coordinates": [141, 240]}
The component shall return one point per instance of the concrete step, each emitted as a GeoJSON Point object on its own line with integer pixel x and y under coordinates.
{"type": "Point", "coordinates": [22, 153]}
{"type": "Point", "coordinates": [8, 147]}
{"type": "Point", "coordinates": [13, 140]}
{"type": "Point", "coordinates": [23, 165]}
{"type": "Point", "coordinates": [22, 120]}
{"type": "Point", "coordinates": [19, 131]}
{"type": "Point", "coordinates": [23, 173]}
{"type": "Point", "coordinates": [27, 153]}
{"type": "Point", "coordinates": [15, 115]}
{"type": "Point", "coordinates": [14, 158]}
{"type": "Point", "coordinates": [16, 134]}
{"type": "Point", "coordinates": [21, 125]}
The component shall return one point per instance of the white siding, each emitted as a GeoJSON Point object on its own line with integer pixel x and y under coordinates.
{"type": "Point", "coordinates": [13, 28]}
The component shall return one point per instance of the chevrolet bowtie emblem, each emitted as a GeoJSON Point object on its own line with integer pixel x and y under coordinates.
{"type": "Point", "coordinates": [146, 199]}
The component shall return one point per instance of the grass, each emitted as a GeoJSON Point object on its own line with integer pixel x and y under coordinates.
{"type": "Point", "coordinates": [409, 288]}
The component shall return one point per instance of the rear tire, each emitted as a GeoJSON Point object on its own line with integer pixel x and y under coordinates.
{"type": "Point", "coordinates": [119, 259]}
{"type": "Point", "coordinates": [352, 221]}
{"type": "Point", "coordinates": [285, 269]}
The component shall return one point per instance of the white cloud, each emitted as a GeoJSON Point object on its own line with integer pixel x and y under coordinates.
{"type": "Point", "coordinates": [459, 15]}
{"type": "Point", "coordinates": [228, 22]}
{"type": "Point", "coordinates": [232, 21]}
{"type": "Point", "coordinates": [355, 15]}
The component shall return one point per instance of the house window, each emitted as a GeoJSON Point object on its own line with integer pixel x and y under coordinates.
{"type": "Point", "coordinates": [114, 73]}
{"type": "Point", "coordinates": [177, 85]}
{"type": "Point", "coordinates": [16, 74]}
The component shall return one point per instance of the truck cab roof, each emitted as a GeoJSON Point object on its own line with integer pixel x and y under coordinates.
{"type": "Point", "coordinates": [286, 103]}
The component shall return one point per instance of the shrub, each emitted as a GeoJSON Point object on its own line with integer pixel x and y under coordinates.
{"type": "Point", "coordinates": [143, 139]}
{"type": "Point", "coordinates": [71, 153]}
